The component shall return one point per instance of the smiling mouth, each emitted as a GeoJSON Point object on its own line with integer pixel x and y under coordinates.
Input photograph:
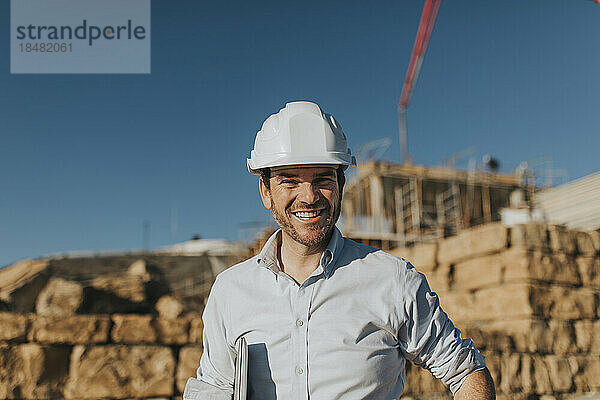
{"type": "Point", "coordinates": [307, 215]}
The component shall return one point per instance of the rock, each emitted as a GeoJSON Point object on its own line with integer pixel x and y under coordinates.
{"type": "Point", "coordinates": [14, 327]}
{"type": "Point", "coordinates": [97, 301]}
{"type": "Point", "coordinates": [59, 297]}
{"type": "Point", "coordinates": [423, 255]}
{"type": "Point", "coordinates": [527, 373]}
{"type": "Point", "coordinates": [595, 236]}
{"type": "Point", "coordinates": [20, 285]}
{"type": "Point", "coordinates": [541, 376]}
{"type": "Point", "coordinates": [128, 287]}
{"type": "Point", "coordinates": [563, 334]}
{"type": "Point", "coordinates": [589, 270]}
{"type": "Point", "coordinates": [138, 269]}
{"type": "Point", "coordinates": [587, 396]}
{"type": "Point", "coordinates": [532, 236]}
{"type": "Point", "coordinates": [526, 335]}
{"type": "Point", "coordinates": [487, 340]}
{"type": "Point", "coordinates": [484, 239]}
{"type": "Point", "coordinates": [438, 278]}
{"type": "Point", "coordinates": [196, 328]}
{"type": "Point", "coordinates": [31, 371]}
{"type": "Point", "coordinates": [563, 302]}
{"type": "Point", "coordinates": [587, 337]}
{"type": "Point", "coordinates": [561, 376]}
{"type": "Point", "coordinates": [586, 379]}
{"type": "Point", "coordinates": [172, 331]}
{"type": "Point", "coordinates": [491, 269]}
{"type": "Point", "coordinates": [551, 268]}
{"type": "Point", "coordinates": [521, 301]}
{"type": "Point", "coordinates": [459, 306]}
{"type": "Point", "coordinates": [133, 329]}
{"type": "Point", "coordinates": [72, 330]}
{"type": "Point", "coordinates": [515, 265]}
{"type": "Point", "coordinates": [135, 291]}
{"type": "Point", "coordinates": [585, 243]}
{"type": "Point", "coordinates": [112, 294]}
{"type": "Point", "coordinates": [168, 307]}
{"type": "Point", "coordinates": [562, 239]}
{"type": "Point", "coordinates": [499, 302]}
{"type": "Point", "coordinates": [189, 360]}
{"type": "Point", "coordinates": [510, 370]}
{"type": "Point", "coordinates": [99, 372]}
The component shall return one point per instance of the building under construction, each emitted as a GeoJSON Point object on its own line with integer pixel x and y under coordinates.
{"type": "Point", "coordinates": [390, 205]}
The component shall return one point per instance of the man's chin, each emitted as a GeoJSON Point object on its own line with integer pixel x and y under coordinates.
{"type": "Point", "coordinates": [310, 235]}
{"type": "Point", "coordinates": [312, 238]}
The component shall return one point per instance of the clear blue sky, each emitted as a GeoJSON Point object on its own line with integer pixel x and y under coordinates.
{"type": "Point", "coordinates": [86, 159]}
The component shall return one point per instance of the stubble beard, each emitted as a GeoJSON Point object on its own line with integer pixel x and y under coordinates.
{"type": "Point", "coordinates": [323, 236]}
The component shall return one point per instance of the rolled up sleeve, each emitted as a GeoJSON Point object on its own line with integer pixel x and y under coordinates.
{"type": "Point", "coordinates": [429, 339]}
{"type": "Point", "coordinates": [214, 380]}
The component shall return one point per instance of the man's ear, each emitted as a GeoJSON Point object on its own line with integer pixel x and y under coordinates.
{"type": "Point", "coordinates": [264, 194]}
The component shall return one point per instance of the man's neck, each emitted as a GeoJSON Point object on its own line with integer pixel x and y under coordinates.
{"type": "Point", "coordinates": [297, 260]}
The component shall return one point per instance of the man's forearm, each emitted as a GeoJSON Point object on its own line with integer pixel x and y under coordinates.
{"type": "Point", "coordinates": [478, 385]}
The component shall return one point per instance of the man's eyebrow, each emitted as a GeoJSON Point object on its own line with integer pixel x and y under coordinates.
{"type": "Point", "coordinates": [285, 175]}
{"type": "Point", "coordinates": [290, 175]}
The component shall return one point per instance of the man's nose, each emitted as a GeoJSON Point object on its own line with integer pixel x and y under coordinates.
{"type": "Point", "coordinates": [309, 194]}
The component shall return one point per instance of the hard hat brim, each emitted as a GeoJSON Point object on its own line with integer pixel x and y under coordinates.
{"type": "Point", "coordinates": [284, 161]}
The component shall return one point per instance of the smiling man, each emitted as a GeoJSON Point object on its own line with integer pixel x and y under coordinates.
{"type": "Point", "coordinates": [305, 203]}
{"type": "Point", "coordinates": [324, 317]}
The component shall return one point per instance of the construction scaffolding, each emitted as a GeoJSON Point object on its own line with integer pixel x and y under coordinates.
{"type": "Point", "coordinates": [390, 205]}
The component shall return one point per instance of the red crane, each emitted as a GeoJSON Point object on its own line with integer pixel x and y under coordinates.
{"type": "Point", "coordinates": [430, 11]}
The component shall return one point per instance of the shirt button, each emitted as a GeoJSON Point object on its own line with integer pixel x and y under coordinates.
{"type": "Point", "coordinates": [299, 371]}
{"type": "Point", "coordinates": [299, 322]}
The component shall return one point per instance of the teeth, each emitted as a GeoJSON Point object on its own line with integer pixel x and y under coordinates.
{"type": "Point", "coordinates": [307, 214]}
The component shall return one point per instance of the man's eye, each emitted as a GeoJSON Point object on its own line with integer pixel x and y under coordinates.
{"type": "Point", "coordinates": [288, 182]}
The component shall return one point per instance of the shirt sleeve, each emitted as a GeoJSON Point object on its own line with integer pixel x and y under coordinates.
{"type": "Point", "coordinates": [214, 380]}
{"type": "Point", "coordinates": [427, 336]}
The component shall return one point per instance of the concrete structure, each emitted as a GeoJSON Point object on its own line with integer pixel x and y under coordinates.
{"type": "Point", "coordinates": [390, 205]}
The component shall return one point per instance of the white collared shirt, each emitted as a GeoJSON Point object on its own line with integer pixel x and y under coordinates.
{"type": "Point", "coordinates": [344, 333]}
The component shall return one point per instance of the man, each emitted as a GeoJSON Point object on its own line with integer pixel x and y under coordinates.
{"type": "Point", "coordinates": [324, 317]}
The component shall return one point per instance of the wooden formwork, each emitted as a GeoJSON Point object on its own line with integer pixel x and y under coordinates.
{"type": "Point", "coordinates": [389, 204]}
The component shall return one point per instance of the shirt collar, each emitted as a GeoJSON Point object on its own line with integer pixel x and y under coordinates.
{"type": "Point", "coordinates": [268, 259]}
{"type": "Point", "coordinates": [267, 256]}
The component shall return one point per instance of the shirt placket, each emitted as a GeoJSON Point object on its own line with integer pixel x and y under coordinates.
{"type": "Point", "coordinates": [300, 313]}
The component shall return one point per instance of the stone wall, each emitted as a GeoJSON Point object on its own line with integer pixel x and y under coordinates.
{"type": "Point", "coordinates": [112, 328]}
{"type": "Point", "coordinates": [115, 356]}
{"type": "Point", "coordinates": [529, 297]}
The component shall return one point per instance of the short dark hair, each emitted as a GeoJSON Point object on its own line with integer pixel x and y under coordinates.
{"type": "Point", "coordinates": [265, 175]}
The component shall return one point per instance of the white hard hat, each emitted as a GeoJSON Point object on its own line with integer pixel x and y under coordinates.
{"type": "Point", "coordinates": [299, 134]}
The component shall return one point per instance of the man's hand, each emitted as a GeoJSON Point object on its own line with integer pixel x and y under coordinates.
{"type": "Point", "coordinates": [478, 385]}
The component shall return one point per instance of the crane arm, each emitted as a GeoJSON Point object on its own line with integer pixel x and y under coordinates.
{"type": "Point", "coordinates": [430, 11]}
{"type": "Point", "coordinates": [426, 25]}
